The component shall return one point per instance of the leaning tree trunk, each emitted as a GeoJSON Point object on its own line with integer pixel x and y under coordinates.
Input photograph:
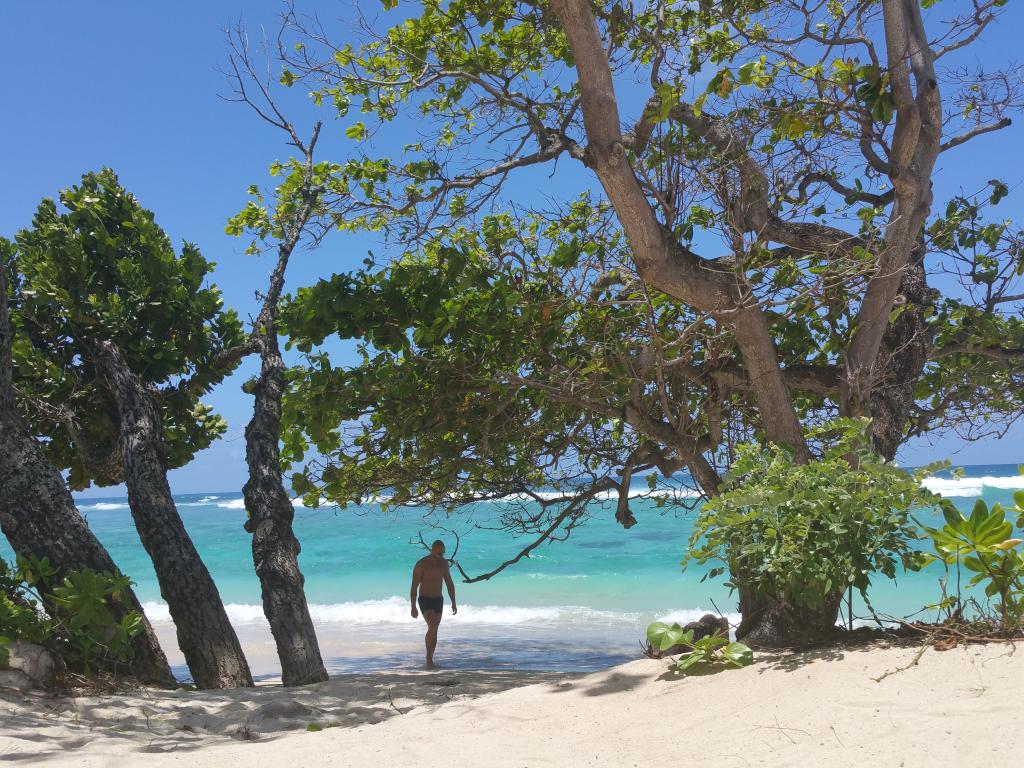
{"type": "Point", "coordinates": [903, 356]}
{"type": "Point", "coordinates": [205, 636]}
{"type": "Point", "coordinates": [778, 624]}
{"type": "Point", "coordinates": [275, 549]}
{"type": "Point", "coordinates": [39, 517]}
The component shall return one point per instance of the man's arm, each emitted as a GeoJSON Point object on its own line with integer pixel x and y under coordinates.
{"type": "Point", "coordinates": [451, 587]}
{"type": "Point", "coordinates": [417, 575]}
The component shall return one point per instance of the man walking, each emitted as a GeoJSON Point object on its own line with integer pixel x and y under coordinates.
{"type": "Point", "coordinates": [427, 576]}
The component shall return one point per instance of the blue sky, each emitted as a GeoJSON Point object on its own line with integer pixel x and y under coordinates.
{"type": "Point", "coordinates": [135, 86]}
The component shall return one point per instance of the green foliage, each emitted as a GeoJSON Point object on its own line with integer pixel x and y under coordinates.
{"type": "Point", "coordinates": [984, 544]}
{"type": "Point", "coordinates": [804, 533]}
{"type": "Point", "coordinates": [20, 616]}
{"type": "Point", "coordinates": [75, 619]}
{"type": "Point", "coordinates": [432, 410]}
{"type": "Point", "coordinates": [430, 414]}
{"type": "Point", "coordinates": [709, 650]}
{"type": "Point", "coordinates": [99, 269]}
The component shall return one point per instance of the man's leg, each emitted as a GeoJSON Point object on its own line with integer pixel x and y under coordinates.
{"type": "Point", "coordinates": [433, 619]}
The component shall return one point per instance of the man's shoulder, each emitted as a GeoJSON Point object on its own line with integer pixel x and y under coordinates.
{"type": "Point", "coordinates": [423, 561]}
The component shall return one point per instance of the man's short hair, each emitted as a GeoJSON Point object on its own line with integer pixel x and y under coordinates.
{"type": "Point", "coordinates": [437, 543]}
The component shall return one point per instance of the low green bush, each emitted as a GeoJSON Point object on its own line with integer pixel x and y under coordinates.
{"type": "Point", "coordinates": [74, 620]}
{"type": "Point", "coordinates": [709, 650]}
{"type": "Point", "coordinates": [802, 534]}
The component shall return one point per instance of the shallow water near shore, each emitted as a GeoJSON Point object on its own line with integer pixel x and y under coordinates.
{"type": "Point", "coordinates": [574, 606]}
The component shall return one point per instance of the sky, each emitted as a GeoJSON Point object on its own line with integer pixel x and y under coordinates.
{"type": "Point", "coordinates": [137, 86]}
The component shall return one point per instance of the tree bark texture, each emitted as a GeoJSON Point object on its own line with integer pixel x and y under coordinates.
{"type": "Point", "coordinates": [903, 355]}
{"type": "Point", "coordinates": [916, 143]}
{"type": "Point", "coordinates": [39, 518]}
{"type": "Point", "coordinates": [205, 636]}
{"type": "Point", "coordinates": [275, 549]}
{"type": "Point", "coordinates": [778, 624]}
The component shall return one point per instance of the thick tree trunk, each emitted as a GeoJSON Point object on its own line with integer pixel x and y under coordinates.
{"type": "Point", "coordinates": [205, 635]}
{"type": "Point", "coordinates": [275, 549]}
{"type": "Point", "coordinates": [39, 517]}
{"type": "Point", "coordinates": [916, 143]}
{"type": "Point", "coordinates": [903, 355]}
{"type": "Point", "coordinates": [777, 624]}
{"type": "Point", "coordinates": [660, 259]}
{"type": "Point", "coordinates": [771, 393]}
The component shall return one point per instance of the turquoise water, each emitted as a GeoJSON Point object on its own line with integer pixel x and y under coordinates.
{"type": "Point", "coordinates": [574, 605]}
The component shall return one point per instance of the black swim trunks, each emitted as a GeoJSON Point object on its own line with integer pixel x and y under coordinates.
{"type": "Point", "coordinates": [435, 604]}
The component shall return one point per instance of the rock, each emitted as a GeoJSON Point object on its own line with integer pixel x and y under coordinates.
{"type": "Point", "coordinates": [15, 678]}
{"type": "Point", "coordinates": [705, 626]}
{"type": "Point", "coordinates": [31, 661]}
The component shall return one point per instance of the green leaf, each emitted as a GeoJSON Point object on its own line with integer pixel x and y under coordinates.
{"type": "Point", "coordinates": [655, 632]}
{"type": "Point", "coordinates": [687, 661]}
{"type": "Point", "coordinates": [672, 637]}
{"type": "Point", "coordinates": [738, 654]}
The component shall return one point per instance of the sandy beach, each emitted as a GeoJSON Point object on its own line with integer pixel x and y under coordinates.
{"type": "Point", "coordinates": [834, 707]}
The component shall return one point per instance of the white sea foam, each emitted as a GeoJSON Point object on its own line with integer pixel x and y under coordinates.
{"type": "Point", "coordinates": [206, 501]}
{"type": "Point", "coordinates": [106, 506]}
{"type": "Point", "coordinates": [611, 495]}
{"type": "Point", "coordinates": [971, 486]}
{"type": "Point", "coordinates": [686, 615]}
{"type": "Point", "coordinates": [680, 493]}
{"type": "Point", "coordinates": [395, 610]}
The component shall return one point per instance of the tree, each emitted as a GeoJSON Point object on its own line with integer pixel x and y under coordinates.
{"type": "Point", "coordinates": [754, 260]}
{"type": "Point", "coordinates": [38, 515]}
{"type": "Point", "coordinates": [275, 548]}
{"type": "Point", "coordinates": [119, 338]}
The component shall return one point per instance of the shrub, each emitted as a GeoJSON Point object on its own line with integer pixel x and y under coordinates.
{"type": "Point", "coordinates": [802, 534]}
{"type": "Point", "coordinates": [76, 622]}
{"type": "Point", "coordinates": [709, 650]}
{"type": "Point", "coordinates": [984, 544]}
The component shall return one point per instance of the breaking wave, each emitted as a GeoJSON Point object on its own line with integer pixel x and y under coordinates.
{"type": "Point", "coordinates": [395, 610]}
{"type": "Point", "coordinates": [972, 486]}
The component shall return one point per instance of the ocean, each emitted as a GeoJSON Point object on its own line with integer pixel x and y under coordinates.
{"type": "Point", "coordinates": [576, 605]}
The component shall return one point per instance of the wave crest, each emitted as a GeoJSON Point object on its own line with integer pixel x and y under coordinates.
{"type": "Point", "coordinates": [972, 486]}
{"type": "Point", "coordinates": [395, 610]}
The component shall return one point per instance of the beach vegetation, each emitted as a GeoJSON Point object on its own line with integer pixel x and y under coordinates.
{"type": "Point", "coordinates": [94, 268]}
{"type": "Point", "coordinates": [38, 515]}
{"type": "Point", "coordinates": [793, 538]}
{"type": "Point", "coordinates": [116, 338]}
{"type": "Point", "coordinates": [984, 544]}
{"type": "Point", "coordinates": [708, 651]}
{"type": "Point", "coordinates": [74, 620]}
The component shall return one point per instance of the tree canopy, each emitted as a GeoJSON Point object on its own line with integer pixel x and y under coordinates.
{"type": "Point", "coordinates": [97, 268]}
{"type": "Point", "coordinates": [741, 243]}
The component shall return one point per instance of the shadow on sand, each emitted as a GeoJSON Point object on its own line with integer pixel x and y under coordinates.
{"type": "Point", "coordinates": [37, 726]}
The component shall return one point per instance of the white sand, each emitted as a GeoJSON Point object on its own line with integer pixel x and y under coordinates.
{"type": "Point", "coordinates": [962, 707]}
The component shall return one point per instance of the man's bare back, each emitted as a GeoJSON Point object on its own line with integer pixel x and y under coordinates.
{"type": "Point", "coordinates": [427, 576]}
